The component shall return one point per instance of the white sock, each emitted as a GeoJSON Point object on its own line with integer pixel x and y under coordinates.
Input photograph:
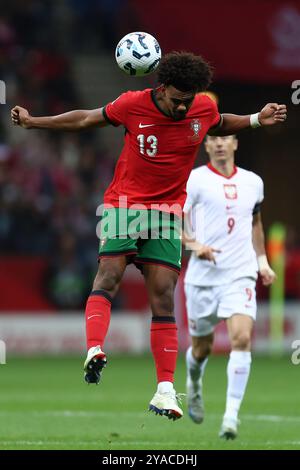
{"type": "Point", "coordinates": [165, 387]}
{"type": "Point", "coordinates": [195, 368]}
{"type": "Point", "coordinates": [238, 371]}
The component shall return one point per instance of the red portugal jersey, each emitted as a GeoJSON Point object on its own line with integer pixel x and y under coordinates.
{"type": "Point", "coordinates": [159, 152]}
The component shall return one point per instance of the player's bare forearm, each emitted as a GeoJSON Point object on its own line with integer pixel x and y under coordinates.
{"type": "Point", "coordinates": [188, 240]}
{"type": "Point", "coordinates": [271, 114]}
{"type": "Point", "coordinates": [187, 234]}
{"type": "Point", "coordinates": [231, 124]}
{"type": "Point", "coordinates": [266, 272]}
{"type": "Point", "coordinates": [70, 121]}
{"type": "Point", "coordinates": [188, 237]}
{"type": "Point", "coordinates": [258, 236]}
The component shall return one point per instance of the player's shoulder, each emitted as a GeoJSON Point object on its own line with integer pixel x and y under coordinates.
{"type": "Point", "coordinates": [196, 175]}
{"type": "Point", "coordinates": [196, 172]}
{"type": "Point", "coordinates": [136, 95]}
{"type": "Point", "coordinates": [205, 102]}
{"type": "Point", "coordinates": [250, 176]}
{"type": "Point", "coordinates": [130, 98]}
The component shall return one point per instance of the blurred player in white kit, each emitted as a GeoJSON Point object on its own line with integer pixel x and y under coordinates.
{"type": "Point", "coordinates": [225, 234]}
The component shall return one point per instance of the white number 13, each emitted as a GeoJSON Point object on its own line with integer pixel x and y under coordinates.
{"type": "Point", "coordinates": [152, 141]}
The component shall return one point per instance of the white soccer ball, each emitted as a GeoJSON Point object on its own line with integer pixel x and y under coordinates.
{"type": "Point", "coordinates": [138, 54]}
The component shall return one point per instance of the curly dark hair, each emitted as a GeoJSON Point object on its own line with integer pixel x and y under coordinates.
{"type": "Point", "coordinates": [185, 71]}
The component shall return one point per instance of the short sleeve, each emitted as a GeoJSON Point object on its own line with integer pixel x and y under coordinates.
{"type": "Point", "coordinates": [116, 112]}
{"type": "Point", "coordinates": [192, 194]}
{"type": "Point", "coordinates": [260, 190]}
{"type": "Point", "coordinates": [215, 115]}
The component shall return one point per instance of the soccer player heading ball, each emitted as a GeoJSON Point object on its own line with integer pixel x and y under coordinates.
{"type": "Point", "coordinates": [164, 128]}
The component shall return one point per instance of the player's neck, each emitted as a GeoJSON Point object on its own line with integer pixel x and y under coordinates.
{"type": "Point", "coordinates": [226, 168]}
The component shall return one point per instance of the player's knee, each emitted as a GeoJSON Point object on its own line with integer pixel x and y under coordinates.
{"type": "Point", "coordinates": [108, 280]}
{"type": "Point", "coordinates": [162, 299]}
{"type": "Point", "coordinates": [241, 341]}
{"type": "Point", "coordinates": [162, 305]}
{"type": "Point", "coordinates": [202, 350]}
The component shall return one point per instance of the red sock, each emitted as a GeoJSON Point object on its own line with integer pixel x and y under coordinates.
{"type": "Point", "coordinates": [164, 346]}
{"type": "Point", "coordinates": [97, 317]}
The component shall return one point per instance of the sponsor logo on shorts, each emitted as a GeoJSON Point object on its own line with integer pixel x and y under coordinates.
{"type": "Point", "coordinates": [192, 324]}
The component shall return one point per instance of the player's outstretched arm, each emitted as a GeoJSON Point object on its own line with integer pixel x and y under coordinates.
{"type": "Point", "coordinates": [71, 121]}
{"type": "Point", "coordinates": [271, 114]}
{"type": "Point", "coordinates": [267, 274]}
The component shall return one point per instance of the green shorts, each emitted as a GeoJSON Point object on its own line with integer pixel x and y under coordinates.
{"type": "Point", "coordinates": [145, 236]}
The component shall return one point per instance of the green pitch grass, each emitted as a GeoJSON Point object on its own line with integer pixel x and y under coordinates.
{"type": "Point", "coordinates": [44, 404]}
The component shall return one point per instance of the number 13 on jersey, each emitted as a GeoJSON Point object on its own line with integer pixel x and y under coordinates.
{"type": "Point", "coordinates": [151, 144]}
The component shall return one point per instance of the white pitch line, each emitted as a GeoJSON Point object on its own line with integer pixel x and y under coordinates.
{"type": "Point", "coordinates": [127, 443]}
{"type": "Point", "coordinates": [125, 414]}
{"type": "Point", "coordinates": [76, 414]}
{"type": "Point", "coordinates": [282, 443]}
{"type": "Point", "coordinates": [272, 418]}
{"type": "Point", "coordinates": [131, 443]}
{"type": "Point", "coordinates": [88, 414]}
{"type": "Point", "coordinates": [54, 443]}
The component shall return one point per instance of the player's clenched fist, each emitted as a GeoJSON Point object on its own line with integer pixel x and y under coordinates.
{"type": "Point", "coordinates": [20, 117]}
{"type": "Point", "coordinates": [272, 113]}
{"type": "Point", "coordinates": [268, 276]}
{"type": "Point", "coordinates": [266, 272]}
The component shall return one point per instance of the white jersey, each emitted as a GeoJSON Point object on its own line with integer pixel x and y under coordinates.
{"type": "Point", "coordinates": [221, 215]}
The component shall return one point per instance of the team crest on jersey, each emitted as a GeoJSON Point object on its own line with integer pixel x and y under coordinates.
{"type": "Point", "coordinates": [230, 191]}
{"type": "Point", "coordinates": [196, 127]}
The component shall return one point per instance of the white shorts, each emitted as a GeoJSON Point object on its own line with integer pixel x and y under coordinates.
{"type": "Point", "coordinates": [206, 306]}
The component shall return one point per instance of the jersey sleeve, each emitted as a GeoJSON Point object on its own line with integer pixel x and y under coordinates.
{"type": "Point", "coordinates": [215, 115]}
{"type": "Point", "coordinates": [192, 196]}
{"type": "Point", "coordinates": [260, 196]}
{"type": "Point", "coordinates": [116, 112]}
{"type": "Point", "coordinates": [260, 190]}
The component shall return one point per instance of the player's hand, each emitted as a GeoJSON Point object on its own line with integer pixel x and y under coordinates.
{"type": "Point", "coordinates": [272, 113]}
{"type": "Point", "coordinates": [206, 252]}
{"type": "Point", "coordinates": [20, 117]}
{"type": "Point", "coordinates": [268, 276]}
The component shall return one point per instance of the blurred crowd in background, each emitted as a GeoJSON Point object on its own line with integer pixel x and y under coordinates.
{"type": "Point", "coordinates": [51, 184]}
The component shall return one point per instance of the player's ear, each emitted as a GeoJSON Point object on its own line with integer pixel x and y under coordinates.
{"type": "Point", "coordinates": [163, 89]}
